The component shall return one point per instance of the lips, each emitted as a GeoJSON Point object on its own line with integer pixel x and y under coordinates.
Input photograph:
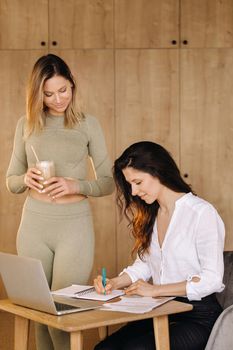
{"type": "Point", "coordinates": [60, 106]}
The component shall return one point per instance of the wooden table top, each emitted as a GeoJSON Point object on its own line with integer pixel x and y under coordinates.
{"type": "Point", "coordinates": [90, 319]}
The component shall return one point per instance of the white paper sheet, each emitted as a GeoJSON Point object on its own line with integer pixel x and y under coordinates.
{"type": "Point", "coordinates": [136, 304]}
{"type": "Point", "coordinates": [86, 292]}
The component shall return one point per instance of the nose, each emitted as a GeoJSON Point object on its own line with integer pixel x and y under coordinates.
{"type": "Point", "coordinates": [57, 98]}
{"type": "Point", "coordinates": [134, 190]}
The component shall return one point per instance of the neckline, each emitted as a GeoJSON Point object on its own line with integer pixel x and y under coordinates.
{"type": "Point", "coordinates": [177, 203]}
{"type": "Point", "coordinates": [183, 198]}
{"type": "Point", "coordinates": [52, 116]}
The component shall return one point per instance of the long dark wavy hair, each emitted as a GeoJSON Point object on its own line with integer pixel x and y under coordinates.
{"type": "Point", "coordinates": [155, 160]}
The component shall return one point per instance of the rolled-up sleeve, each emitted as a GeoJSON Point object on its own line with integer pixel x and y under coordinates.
{"type": "Point", "coordinates": [209, 245]}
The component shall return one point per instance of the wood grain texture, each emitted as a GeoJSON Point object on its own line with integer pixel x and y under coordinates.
{"type": "Point", "coordinates": [76, 24]}
{"type": "Point", "coordinates": [207, 23]}
{"type": "Point", "coordinates": [15, 68]}
{"type": "Point", "coordinates": [23, 24]}
{"type": "Point", "coordinates": [6, 331]}
{"type": "Point", "coordinates": [161, 333]}
{"type": "Point", "coordinates": [146, 109]}
{"type": "Point", "coordinates": [21, 333]}
{"type": "Point", "coordinates": [207, 128]}
{"type": "Point", "coordinates": [91, 319]}
{"type": "Point", "coordinates": [146, 24]}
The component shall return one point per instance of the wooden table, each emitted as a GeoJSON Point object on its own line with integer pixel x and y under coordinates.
{"type": "Point", "coordinates": [76, 323]}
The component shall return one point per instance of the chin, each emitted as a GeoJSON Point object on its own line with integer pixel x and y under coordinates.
{"type": "Point", "coordinates": [149, 200]}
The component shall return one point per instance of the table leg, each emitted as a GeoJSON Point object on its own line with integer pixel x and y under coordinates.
{"type": "Point", "coordinates": [21, 333]}
{"type": "Point", "coordinates": [76, 340]}
{"type": "Point", "coordinates": [103, 332]}
{"type": "Point", "coordinates": [161, 332]}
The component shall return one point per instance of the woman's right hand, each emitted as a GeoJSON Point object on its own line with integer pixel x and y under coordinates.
{"type": "Point", "coordinates": [118, 282]}
{"type": "Point", "coordinates": [32, 178]}
{"type": "Point", "coordinates": [99, 285]}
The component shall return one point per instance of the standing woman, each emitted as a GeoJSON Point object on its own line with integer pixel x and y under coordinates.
{"type": "Point", "coordinates": [56, 225]}
{"type": "Point", "coordinates": [179, 239]}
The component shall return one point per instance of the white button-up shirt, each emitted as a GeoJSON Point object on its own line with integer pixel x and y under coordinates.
{"type": "Point", "coordinates": [193, 246]}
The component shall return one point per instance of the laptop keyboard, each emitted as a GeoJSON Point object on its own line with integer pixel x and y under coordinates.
{"type": "Point", "coordinates": [64, 307]}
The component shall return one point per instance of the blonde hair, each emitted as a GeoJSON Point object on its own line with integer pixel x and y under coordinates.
{"type": "Point", "coordinates": [45, 68]}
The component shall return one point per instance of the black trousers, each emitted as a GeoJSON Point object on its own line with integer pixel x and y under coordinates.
{"type": "Point", "coordinates": [188, 331]}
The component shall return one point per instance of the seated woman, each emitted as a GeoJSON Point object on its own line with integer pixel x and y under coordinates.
{"type": "Point", "coordinates": [179, 240]}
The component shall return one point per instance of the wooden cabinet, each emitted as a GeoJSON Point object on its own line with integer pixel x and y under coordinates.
{"type": "Point", "coordinates": [75, 24]}
{"type": "Point", "coordinates": [206, 135]}
{"type": "Point", "coordinates": [173, 23]}
{"type": "Point", "coordinates": [23, 24]}
{"type": "Point", "coordinates": [146, 24]}
{"type": "Point", "coordinates": [69, 24]}
{"type": "Point", "coordinates": [206, 23]}
{"type": "Point", "coordinates": [147, 108]}
{"type": "Point", "coordinates": [15, 67]}
{"type": "Point", "coordinates": [206, 72]}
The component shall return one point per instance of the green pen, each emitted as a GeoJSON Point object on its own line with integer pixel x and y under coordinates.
{"type": "Point", "coordinates": [104, 278]}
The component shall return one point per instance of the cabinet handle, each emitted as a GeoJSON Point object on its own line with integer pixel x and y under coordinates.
{"type": "Point", "coordinates": [43, 43]}
{"type": "Point", "coordinates": [185, 42]}
{"type": "Point", "coordinates": [173, 42]}
{"type": "Point", "coordinates": [54, 43]}
{"type": "Point", "coordinates": [186, 175]}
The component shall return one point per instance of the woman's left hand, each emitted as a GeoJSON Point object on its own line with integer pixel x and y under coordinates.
{"type": "Point", "coordinates": [57, 187]}
{"type": "Point", "coordinates": [142, 288]}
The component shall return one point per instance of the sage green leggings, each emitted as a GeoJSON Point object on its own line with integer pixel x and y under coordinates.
{"type": "Point", "coordinates": [62, 237]}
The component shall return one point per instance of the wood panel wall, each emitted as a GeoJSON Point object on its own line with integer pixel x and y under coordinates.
{"type": "Point", "coordinates": [157, 70]}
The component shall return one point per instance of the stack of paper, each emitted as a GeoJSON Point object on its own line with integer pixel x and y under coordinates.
{"type": "Point", "coordinates": [86, 292]}
{"type": "Point", "coordinates": [135, 304]}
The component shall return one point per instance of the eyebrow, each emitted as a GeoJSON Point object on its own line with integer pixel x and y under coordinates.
{"type": "Point", "coordinates": [51, 92]}
{"type": "Point", "coordinates": [133, 180]}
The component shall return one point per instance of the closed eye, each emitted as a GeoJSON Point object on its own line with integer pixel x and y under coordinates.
{"type": "Point", "coordinates": [138, 183]}
{"type": "Point", "coordinates": [48, 94]}
{"type": "Point", "coordinates": [63, 89]}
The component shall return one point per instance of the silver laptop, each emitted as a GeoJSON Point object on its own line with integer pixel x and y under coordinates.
{"type": "Point", "coordinates": [26, 285]}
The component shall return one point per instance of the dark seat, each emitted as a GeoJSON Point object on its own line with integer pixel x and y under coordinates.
{"type": "Point", "coordinates": [225, 298]}
{"type": "Point", "coordinates": [221, 337]}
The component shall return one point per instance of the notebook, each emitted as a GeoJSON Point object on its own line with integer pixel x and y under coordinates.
{"type": "Point", "coordinates": [86, 292]}
{"type": "Point", "coordinates": [26, 285]}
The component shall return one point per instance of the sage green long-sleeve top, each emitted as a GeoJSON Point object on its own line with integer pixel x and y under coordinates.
{"type": "Point", "coordinates": [69, 149]}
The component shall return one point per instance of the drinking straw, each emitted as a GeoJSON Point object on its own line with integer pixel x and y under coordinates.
{"type": "Point", "coordinates": [34, 152]}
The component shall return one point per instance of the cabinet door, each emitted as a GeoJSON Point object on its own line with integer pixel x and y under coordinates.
{"type": "Point", "coordinates": [207, 23]}
{"type": "Point", "coordinates": [146, 23]}
{"type": "Point", "coordinates": [146, 109]}
{"type": "Point", "coordinates": [207, 128]}
{"type": "Point", "coordinates": [23, 24]}
{"type": "Point", "coordinates": [15, 68]}
{"type": "Point", "coordinates": [94, 72]}
{"type": "Point", "coordinates": [81, 23]}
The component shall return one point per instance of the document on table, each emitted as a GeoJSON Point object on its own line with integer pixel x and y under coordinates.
{"type": "Point", "coordinates": [135, 304]}
{"type": "Point", "coordinates": [86, 292]}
